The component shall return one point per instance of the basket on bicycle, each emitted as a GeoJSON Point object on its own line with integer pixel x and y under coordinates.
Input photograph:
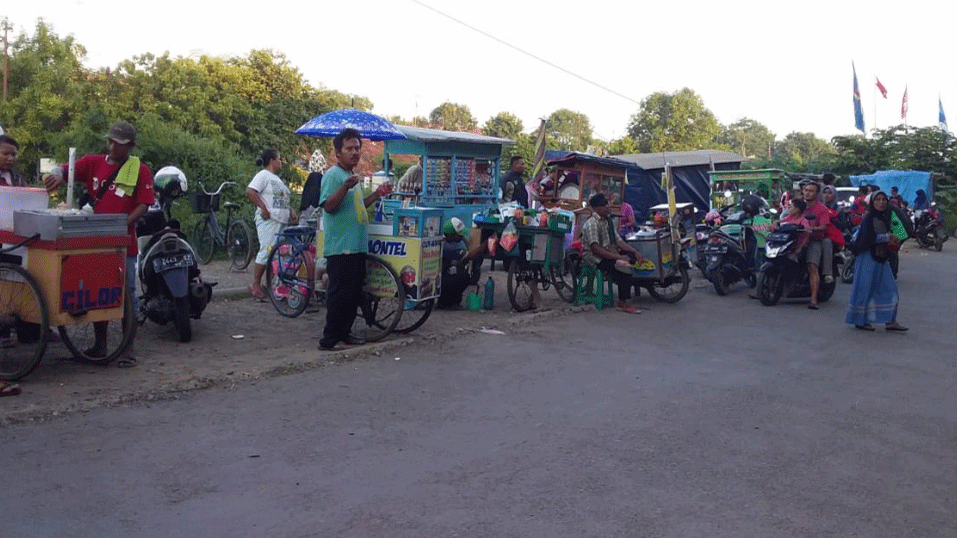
{"type": "Point", "coordinates": [202, 202]}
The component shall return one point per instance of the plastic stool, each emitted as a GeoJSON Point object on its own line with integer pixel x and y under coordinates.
{"type": "Point", "coordinates": [591, 288]}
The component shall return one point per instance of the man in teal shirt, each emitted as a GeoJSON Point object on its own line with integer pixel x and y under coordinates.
{"type": "Point", "coordinates": [346, 239]}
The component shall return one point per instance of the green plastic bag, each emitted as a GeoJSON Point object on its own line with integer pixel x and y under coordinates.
{"type": "Point", "coordinates": [897, 227]}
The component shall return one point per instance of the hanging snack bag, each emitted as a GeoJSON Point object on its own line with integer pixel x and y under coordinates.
{"type": "Point", "coordinates": [509, 237]}
{"type": "Point", "coordinates": [492, 241]}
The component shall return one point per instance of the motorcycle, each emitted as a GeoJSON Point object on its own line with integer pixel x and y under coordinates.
{"type": "Point", "coordinates": [169, 275]}
{"type": "Point", "coordinates": [702, 232]}
{"type": "Point", "coordinates": [732, 249]}
{"type": "Point", "coordinates": [929, 228]}
{"type": "Point", "coordinates": [783, 274]}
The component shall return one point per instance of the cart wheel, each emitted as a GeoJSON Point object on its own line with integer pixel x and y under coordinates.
{"type": "Point", "coordinates": [673, 288]}
{"type": "Point", "coordinates": [565, 276]}
{"type": "Point", "coordinates": [383, 302]}
{"type": "Point", "coordinates": [20, 299]}
{"type": "Point", "coordinates": [521, 278]}
{"type": "Point", "coordinates": [414, 317]}
{"type": "Point", "coordinates": [290, 295]}
{"type": "Point", "coordinates": [79, 338]}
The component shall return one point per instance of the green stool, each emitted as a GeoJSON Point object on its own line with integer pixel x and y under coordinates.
{"type": "Point", "coordinates": [590, 288]}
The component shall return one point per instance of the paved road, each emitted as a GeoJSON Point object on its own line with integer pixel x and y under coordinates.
{"type": "Point", "coordinates": [714, 417]}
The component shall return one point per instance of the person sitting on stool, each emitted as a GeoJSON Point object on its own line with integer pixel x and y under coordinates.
{"type": "Point", "coordinates": [605, 249]}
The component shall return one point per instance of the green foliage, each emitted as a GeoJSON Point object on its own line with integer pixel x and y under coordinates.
{"type": "Point", "coordinates": [571, 130]}
{"type": "Point", "coordinates": [625, 145]}
{"type": "Point", "coordinates": [504, 125]}
{"type": "Point", "coordinates": [748, 138]}
{"type": "Point", "coordinates": [673, 122]}
{"type": "Point", "coordinates": [453, 117]}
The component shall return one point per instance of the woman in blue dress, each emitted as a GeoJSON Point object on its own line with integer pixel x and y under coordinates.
{"type": "Point", "coordinates": [874, 297]}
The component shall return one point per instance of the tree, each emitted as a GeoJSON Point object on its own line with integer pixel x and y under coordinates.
{"type": "Point", "coordinates": [453, 117]}
{"type": "Point", "coordinates": [571, 130]}
{"type": "Point", "coordinates": [804, 152]}
{"type": "Point", "coordinates": [748, 137]}
{"type": "Point", "coordinates": [625, 145]}
{"type": "Point", "coordinates": [673, 122]}
{"type": "Point", "coordinates": [504, 125]}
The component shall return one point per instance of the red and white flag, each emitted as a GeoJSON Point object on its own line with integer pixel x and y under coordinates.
{"type": "Point", "coordinates": [904, 105]}
{"type": "Point", "coordinates": [881, 87]}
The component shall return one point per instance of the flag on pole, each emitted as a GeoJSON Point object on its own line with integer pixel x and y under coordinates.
{"type": "Point", "coordinates": [539, 152]}
{"type": "Point", "coordinates": [858, 111]}
{"type": "Point", "coordinates": [941, 118]}
{"type": "Point", "coordinates": [904, 105]}
{"type": "Point", "coordinates": [881, 88]}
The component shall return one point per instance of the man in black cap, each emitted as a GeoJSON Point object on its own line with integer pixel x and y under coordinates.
{"type": "Point", "coordinates": [117, 183]}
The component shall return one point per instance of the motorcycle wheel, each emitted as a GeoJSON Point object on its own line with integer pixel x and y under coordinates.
{"type": "Point", "coordinates": [717, 278]}
{"type": "Point", "coordinates": [938, 243]}
{"type": "Point", "coordinates": [847, 271]}
{"type": "Point", "coordinates": [183, 327]}
{"type": "Point", "coordinates": [770, 286]}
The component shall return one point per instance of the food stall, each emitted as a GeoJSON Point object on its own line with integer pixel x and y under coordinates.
{"type": "Point", "coordinates": [581, 176]}
{"type": "Point", "coordinates": [460, 171]}
{"type": "Point", "coordinates": [63, 268]}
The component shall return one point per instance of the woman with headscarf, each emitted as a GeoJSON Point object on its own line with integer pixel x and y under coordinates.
{"type": "Point", "coordinates": [834, 233]}
{"type": "Point", "coordinates": [874, 296]}
{"type": "Point", "coordinates": [920, 200]}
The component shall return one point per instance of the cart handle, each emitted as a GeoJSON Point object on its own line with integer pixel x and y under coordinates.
{"type": "Point", "coordinates": [24, 242]}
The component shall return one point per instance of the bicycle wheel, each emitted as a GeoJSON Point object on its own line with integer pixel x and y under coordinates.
{"type": "Point", "coordinates": [565, 276]}
{"type": "Point", "coordinates": [415, 315]}
{"type": "Point", "coordinates": [80, 338]}
{"type": "Point", "coordinates": [239, 245]}
{"type": "Point", "coordinates": [521, 277]}
{"type": "Point", "coordinates": [287, 280]}
{"type": "Point", "coordinates": [383, 302]}
{"type": "Point", "coordinates": [204, 242]}
{"type": "Point", "coordinates": [24, 312]}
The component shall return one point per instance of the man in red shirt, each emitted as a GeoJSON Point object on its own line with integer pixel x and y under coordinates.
{"type": "Point", "coordinates": [113, 189]}
{"type": "Point", "coordinates": [820, 251]}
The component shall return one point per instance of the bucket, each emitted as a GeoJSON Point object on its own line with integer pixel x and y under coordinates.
{"type": "Point", "coordinates": [474, 302]}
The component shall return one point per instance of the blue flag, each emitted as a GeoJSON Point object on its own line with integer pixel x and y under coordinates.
{"type": "Point", "coordinates": [941, 118]}
{"type": "Point", "coordinates": [858, 111]}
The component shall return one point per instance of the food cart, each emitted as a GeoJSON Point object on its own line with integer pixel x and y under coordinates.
{"type": "Point", "coordinates": [64, 269]}
{"type": "Point", "coordinates": [729, 187]}
{"type": "Point", "coordinates": [460, 171]}
{"type": "Point", "coordinates": [403, 270]}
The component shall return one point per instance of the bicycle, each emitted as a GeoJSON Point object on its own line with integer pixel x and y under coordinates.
{"type": "Point", "coordinates": [208, 235]}
{"type": "Point", "coordinates": [290, 285]}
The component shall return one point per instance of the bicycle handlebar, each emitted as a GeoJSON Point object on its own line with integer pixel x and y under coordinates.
{"type": "Point", "coordinates": [223, 184]}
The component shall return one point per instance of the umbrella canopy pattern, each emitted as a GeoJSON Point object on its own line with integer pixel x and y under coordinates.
{"type": "Point", "coordinates": [369, 125]}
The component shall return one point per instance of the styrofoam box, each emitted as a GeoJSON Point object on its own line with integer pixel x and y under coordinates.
{"type": "Point", "coordinates": [19, 198]}
{"type": "Point", "coordinates": [52, 225]}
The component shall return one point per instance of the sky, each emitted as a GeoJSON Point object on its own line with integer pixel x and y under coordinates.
{"type": "Point", "coordinates": [786, 65]}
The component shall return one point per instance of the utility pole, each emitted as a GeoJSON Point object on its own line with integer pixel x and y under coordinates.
{"type": "Point", "coordinates": [6, 60]}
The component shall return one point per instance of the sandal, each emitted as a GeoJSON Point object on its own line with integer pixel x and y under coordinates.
{"type": "Point", "coordinates": [865, 327]}
{"type": "Point", "coordinates": [9, 389]}
{"type": "Point", "coordinates": [813, 306]}
{"type": "Point", "coordinates": [895, 327]}
{"type": "Point", "coordinates": [125, 362]}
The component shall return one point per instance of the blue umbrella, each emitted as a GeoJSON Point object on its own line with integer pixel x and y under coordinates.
{"type": "Point", "coordinates": [369, 125]}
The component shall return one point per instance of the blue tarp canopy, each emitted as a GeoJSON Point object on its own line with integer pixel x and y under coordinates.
{"type": "Point", "coordinates": [907, 182]}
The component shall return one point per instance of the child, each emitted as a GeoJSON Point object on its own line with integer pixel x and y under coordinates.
{"type": "Point", "coordinates": [795, 215]}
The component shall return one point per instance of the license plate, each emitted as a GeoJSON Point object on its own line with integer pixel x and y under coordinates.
{"type": "Point", "coordinates": [716, 250]}
{"type": "Point", "coordinates": [164, 263]}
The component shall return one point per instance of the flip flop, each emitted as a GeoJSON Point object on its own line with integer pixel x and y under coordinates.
{"type": "Point", "coordinates": [865, 327]}
{"type": "Point", "coordinates": [629, 310]}
{"type": "Point", "coordinates": [257, 294]}
{"type": "Point", "coordinates": [9, 389]}
{"type": "Point", "coordinates": [896, 328]}
{"type": "Point", "coordinates": [813, 306]}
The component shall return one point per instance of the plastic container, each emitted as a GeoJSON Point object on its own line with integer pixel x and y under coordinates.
{"type": "Point", "coordinates": [20, 198]}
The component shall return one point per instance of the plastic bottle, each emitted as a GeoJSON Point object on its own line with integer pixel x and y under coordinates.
{"type": "Point", "coordinates": [489, 302]}
{"type": "Point", "coordinates": [379, 216]}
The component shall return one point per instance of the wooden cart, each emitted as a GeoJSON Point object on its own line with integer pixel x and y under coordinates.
{"type": "Point", "coordinates": [70, 283]}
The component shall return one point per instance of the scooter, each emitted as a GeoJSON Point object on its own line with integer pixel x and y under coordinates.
{"type": "Point", "coordinates": [172, 288]}
{"type": "Point", "coordinates": [929, 229]}
{"type": "Point", "coordinates": [732, 249]}
{"type": "Point", "coordinates": [783, 274]}
{"type": "Point", "coordinates": [702, 231]}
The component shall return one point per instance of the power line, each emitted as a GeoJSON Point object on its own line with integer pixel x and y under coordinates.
{"type": "Point", "coordinates": [526, 53]}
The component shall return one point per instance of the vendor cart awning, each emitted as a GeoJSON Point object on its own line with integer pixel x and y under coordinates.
{"type": "Point", "coordinates": [419, 134]}
{"type": "Point", "coordinates": [649, 161]}
{"type": "Point", "coordinates": [569, 158]}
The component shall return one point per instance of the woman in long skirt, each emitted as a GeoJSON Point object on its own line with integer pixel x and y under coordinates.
{"type": "Point", "coordinates": [874, 296]}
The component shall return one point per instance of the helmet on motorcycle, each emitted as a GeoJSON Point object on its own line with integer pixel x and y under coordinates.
{"type": "Point", "coordinates": [713, 216]}
{"type": "Point", "coordinates": [169, 180]}
{"type": "Point", "coordinates": [753, 204]}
